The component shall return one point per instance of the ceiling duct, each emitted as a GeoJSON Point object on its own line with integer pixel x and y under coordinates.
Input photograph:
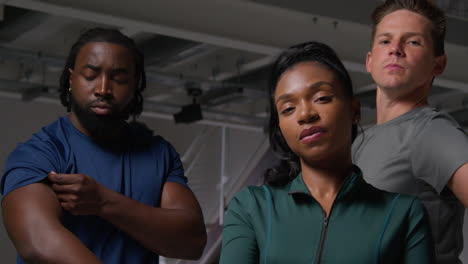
{"type": "Point", "coordinates": [16, 21]}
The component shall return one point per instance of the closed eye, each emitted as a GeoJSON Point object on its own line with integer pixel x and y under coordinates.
{"type": "Point", "coordinates": [89, 77]}
{"type": "Point", "coordinates": [121, 80]}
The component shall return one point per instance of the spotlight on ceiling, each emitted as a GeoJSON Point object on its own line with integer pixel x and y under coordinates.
{"type": "Point", "coordinates": [192, 112]}
{"type": "Point", "coordinates": [189, 114]}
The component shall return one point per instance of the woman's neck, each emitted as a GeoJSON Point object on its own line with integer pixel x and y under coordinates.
{"type": "Point", "coordinates": [325, 181]}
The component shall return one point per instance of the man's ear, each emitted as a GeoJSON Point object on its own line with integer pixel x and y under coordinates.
{"type": "Point", "coordinates": [440, 63]}
{"type": "Point", "coordinates": [369, 61]}
{"type": "Point", "coordinates": [71, 76]}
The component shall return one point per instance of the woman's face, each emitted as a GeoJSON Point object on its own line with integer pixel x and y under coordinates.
{"type": "Point", "coordinates": [315, 116]}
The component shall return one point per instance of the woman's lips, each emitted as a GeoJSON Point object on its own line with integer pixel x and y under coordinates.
{"type": "Point", "coordinates": [312, 134]}
{"type": "Point", "coordinates": [312, 138]}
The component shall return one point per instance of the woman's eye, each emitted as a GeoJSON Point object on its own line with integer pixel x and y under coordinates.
{"type": "Point", "coordinates": [323, 99]}
{"type": "Point", "coordinates": [287, 110]}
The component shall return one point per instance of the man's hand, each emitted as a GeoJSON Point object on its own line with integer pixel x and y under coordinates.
{"type": "Point", "coordinates": [78, 193]}
{"type": "Point", "coordinates": [175, 229]}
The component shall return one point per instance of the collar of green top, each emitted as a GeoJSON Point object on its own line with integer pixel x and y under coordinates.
{"type": "Point", "coordinates": [298, 186]}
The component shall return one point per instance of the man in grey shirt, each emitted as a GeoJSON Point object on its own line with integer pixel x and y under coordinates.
{"type": "Point", "coordinates": [414, 149]}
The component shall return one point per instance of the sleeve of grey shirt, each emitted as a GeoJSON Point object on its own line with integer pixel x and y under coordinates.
{"type": "Point", "coordinates": [438, 151]}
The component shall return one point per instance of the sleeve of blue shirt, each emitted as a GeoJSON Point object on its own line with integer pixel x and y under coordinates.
{"type": "Point", "coordinates": [175, 169]}
{"type": "Point", "coordinates": [29, 163]}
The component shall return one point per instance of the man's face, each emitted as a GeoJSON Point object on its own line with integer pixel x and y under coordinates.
{"type": "Point", "coordinates": [402, 60]}
{"type": "Point", "coordinates": [102, 84]}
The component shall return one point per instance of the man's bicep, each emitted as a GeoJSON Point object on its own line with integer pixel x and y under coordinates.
{"type": "Point", "coordinates": [178, 196]}
{"type": "Point", "coordinates": [459, 184]}
{"type": "Point", "coordinates": [29, 211]}
{"type": "Point", "coordinates": [438, 152]}
{"type": "Point", "coordinates": [32, 217]}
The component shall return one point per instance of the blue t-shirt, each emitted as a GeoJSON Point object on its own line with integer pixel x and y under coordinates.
{"type": "Point", "coordinates": [138, 171]}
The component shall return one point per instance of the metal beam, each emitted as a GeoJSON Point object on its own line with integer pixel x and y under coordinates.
{"type": "Point", "coordinates": [221, 23]}
{"type": "Point", "coordinates": [224, 23]}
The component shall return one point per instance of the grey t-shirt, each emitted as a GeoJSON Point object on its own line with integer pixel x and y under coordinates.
{"type": "Point", "coordinates": [417, 153]}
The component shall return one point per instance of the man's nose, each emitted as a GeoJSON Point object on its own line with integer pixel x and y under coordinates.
{"type": "Point", "coordinates": [396, 49]}
{"type": "Point", "coordinates": [103, 88]}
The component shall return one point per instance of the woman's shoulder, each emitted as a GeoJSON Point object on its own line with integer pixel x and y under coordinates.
{"type": "Point", "coordinates": [255, 197]}
{"type": "Point", "coordinates": [250, 194]}
{"type": "Point", "coordinates": [262, 192]}
{"type": "Point", "coordinates": [400, 201]}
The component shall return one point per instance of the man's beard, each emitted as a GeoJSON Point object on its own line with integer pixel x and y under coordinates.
{"type": "Point", "coordinates": [105, 129]}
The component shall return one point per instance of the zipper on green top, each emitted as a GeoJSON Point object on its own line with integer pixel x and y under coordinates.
{"type": "Point", "coordinates": [323, 235]}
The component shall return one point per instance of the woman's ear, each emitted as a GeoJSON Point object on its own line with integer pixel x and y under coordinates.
{"type": "Point", "coordinates": [356, 109]}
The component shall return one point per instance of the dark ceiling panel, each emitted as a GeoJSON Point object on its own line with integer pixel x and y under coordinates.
{"type": "Point", "coordinates": [17, 21]}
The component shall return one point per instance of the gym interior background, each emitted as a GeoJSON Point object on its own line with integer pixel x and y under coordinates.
{"type": "Point", "coordinates": [207, 63]}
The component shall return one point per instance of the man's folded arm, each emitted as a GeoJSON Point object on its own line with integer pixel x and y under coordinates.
{"type": "Point", "coordinates": [32, 217]}
{"type": "Point", "coordinates": [175, 230]}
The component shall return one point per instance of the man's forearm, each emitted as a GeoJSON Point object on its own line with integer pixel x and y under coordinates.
{"type": "Point", "coordinates": [176, 233]}
{"type": "Point", "coordinates": [176, 229]}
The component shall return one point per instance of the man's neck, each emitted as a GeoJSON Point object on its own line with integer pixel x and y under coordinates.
{"type": "Point", "coordinates": [389, 107]}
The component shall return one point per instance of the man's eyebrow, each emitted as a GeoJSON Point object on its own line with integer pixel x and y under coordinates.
{"type": "Point", "coordinates": [121, 70]}
{"type": "Point", "coordinates": [412, 34]}
{"type": "Point", "coordinates": [92, 67]}
{"type": "Point", "coordinates": [406, 34]}
{"type": "Point", "coordinates": [385, 34]}
{"type": "Point", "coordinates": [116, 70]}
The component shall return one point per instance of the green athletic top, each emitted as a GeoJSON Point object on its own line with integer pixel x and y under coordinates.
{"type": "Point", "coordinates": [287, 225]}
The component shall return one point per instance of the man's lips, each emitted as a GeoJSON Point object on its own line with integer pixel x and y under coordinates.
{"type": "Point", "coordinates": [394, 66]}
{"type": "Point", "coordinates": [311, 134]}
{"type": "Point", "coordinates": [101, 108]}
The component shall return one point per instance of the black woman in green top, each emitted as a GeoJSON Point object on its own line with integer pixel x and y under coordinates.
{"type": "Point", "coordinates": [315, 206]}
